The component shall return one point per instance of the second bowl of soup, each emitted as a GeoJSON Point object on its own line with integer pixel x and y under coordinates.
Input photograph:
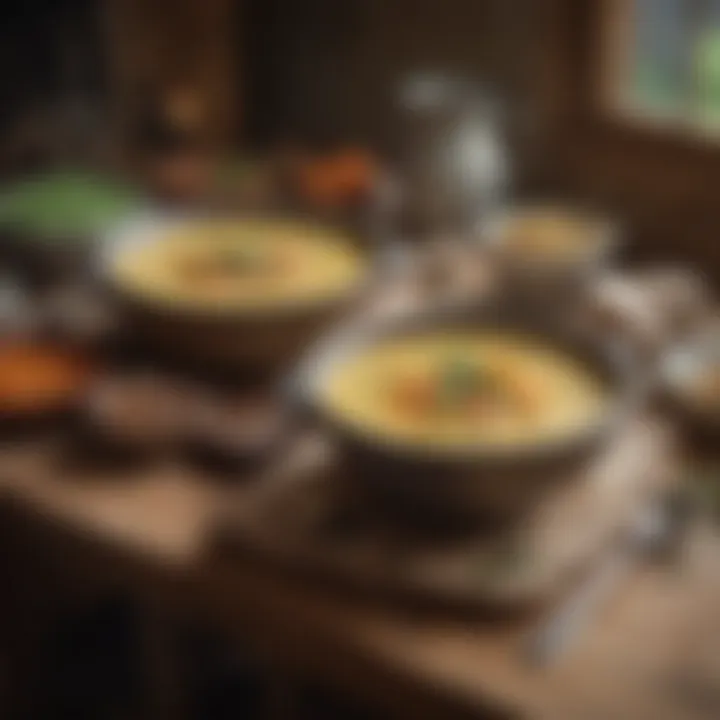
{"type": "Point", "coordinates": [234, 290]}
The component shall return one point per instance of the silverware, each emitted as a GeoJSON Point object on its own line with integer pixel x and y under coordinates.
{"type": "Point", "coordinates": [653, 531]}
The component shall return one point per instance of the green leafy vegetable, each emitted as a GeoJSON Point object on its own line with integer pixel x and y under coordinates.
{"type": "Point", "coordinates": [65, 204]}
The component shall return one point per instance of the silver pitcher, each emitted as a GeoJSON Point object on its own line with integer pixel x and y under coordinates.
{"type": "Point", "coordinates": [454, 162]}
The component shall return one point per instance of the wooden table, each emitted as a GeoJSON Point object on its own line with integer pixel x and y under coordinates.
{"type": "Point", "coordinates": [151, 534]}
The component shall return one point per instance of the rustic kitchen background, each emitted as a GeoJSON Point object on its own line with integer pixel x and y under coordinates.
{"type": "Point", "coordinates": [82, 80]}
{"type": "Point", "coordinates": [255, 72]}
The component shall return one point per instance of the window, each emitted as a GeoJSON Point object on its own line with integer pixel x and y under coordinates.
{"type": "Point", "coordinates": [661, 63]}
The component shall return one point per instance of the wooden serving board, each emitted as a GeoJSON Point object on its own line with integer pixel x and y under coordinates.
{"type": "Point", "coordinates": [307, 516]}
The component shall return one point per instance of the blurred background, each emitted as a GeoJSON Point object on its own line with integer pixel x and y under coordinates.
{"type": "Point", "coordinates": [615, 101]}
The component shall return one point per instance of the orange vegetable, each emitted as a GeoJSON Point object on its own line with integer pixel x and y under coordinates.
{"type": "Point", "coordinates": [34, 378]}
{"type": "Point", "coordinates": [337, 179]}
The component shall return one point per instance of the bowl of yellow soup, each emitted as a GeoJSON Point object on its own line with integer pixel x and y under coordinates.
{"type": "Point", "coordinates": [549, 250]}
{"type": "Point", "coordinates": [233, 290]}
{"type": "Point", "coordinates": [468, 412]}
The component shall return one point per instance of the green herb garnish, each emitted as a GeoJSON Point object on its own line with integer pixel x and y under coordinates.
{"type": "Point", "coordinates": [461, 380]}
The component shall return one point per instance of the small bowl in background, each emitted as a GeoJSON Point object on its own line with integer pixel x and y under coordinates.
{"type": "Point", "coordinates": [51, 220]}
{"type": "Point", "coordinates": [41, 382]}
{"type": "Point", "coordinates": [547, 252]}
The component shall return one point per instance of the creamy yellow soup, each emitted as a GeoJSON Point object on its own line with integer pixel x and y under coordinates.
{"type": "Point", "coordinates": [444, 390]}
{"type": "Point", "coordinates": [243, 265]}
{"type": "Point", "coordinates": [550, 234]}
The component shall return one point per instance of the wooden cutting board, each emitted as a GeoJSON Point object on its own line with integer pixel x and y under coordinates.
{"type": "Point", "coordinates": [306, 515]}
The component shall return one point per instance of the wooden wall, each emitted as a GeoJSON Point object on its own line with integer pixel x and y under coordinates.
{"type": "Point", "coordinates": [179, 52]}
{"type": "Point", "coordinates": [314, 67]}
{"type": "Point", "coordinates": [336, 65]}
{"type": "Point", "coordinates": [662, 184]}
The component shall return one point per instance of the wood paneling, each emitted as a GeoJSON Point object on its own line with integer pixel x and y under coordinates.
{"type": "Point", "coordinates": [337, 65]}
{"type": "Point", "coordinates": [661, 183]}
{"type": "Point", "coordinates": [164, 47]}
